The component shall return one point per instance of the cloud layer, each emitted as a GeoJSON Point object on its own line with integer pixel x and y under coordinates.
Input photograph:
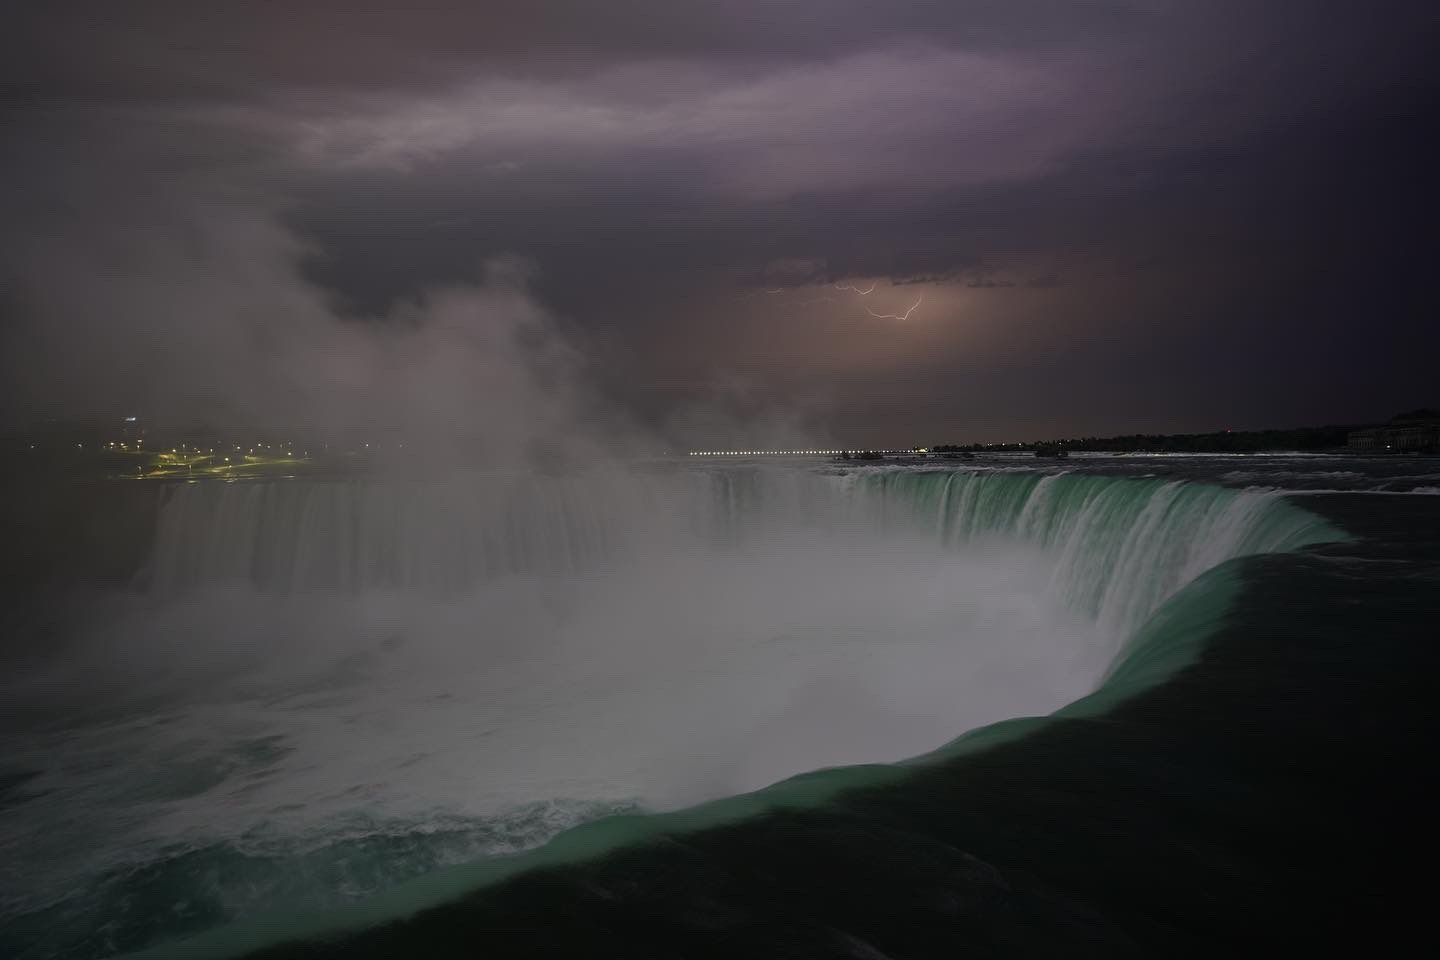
{"type": "Point", "coordinates": [255, 208]}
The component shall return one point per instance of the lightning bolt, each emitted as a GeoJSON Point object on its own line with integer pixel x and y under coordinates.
{"type": "Point", "coordinates": [844, 287]}
{"type": "Point", "coordinates": [897, 316]}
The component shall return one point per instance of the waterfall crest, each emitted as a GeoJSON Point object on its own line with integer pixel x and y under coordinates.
{"type": "Point", "coordinates": [1121, 545]}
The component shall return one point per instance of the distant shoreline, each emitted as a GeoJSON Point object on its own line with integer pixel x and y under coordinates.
{"type": "Point", "coordinates": [1413, 432]}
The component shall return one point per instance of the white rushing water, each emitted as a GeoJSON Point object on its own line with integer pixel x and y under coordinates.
{"type": "Point", "coordinates": [487, 660]}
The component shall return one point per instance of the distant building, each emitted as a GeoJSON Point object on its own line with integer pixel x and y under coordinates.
{"type": "Point", "coordinates": [1405, 433]}
{"type": "Point", "coordinates": [79, 434]}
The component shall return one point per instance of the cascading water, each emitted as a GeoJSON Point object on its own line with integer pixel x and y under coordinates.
{"type": "Point", "coordinates": [376, 678]}
{"type": "Point", "coordinates": [1121, 545]}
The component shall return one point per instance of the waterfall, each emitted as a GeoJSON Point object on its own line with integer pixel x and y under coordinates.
{"type": "Point", "coordinates": [321, 693]}
{"type": "Point", "coordinates": [1121, 545]}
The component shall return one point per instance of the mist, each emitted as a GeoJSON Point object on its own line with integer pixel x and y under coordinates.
{"type": "Point", "coordinates": [360, 369]}
{"type": "Point", "coordinates": [189, 304]}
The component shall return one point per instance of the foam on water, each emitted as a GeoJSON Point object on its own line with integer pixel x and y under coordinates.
{"type": "Point", "coordinates": [426, 673]}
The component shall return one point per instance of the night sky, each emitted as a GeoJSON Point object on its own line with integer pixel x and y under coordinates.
{"type": "Point", "coordinates": [853, 222]}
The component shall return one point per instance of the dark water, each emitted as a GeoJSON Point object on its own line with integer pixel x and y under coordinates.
{"type": "Point", "coordinates": [1271, 794]}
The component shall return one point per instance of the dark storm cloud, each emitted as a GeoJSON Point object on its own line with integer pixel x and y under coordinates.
{"type": "Point", "coordinates": [1220, 191]}
{"type": "Point", "coordinates": [168, 49]}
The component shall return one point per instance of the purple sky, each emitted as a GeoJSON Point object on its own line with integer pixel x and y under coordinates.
{"type": "Point", "coordinates": [863, 223]}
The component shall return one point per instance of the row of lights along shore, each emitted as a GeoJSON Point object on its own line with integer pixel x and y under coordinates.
{"type": "Point", "coordinates": [784, 453]}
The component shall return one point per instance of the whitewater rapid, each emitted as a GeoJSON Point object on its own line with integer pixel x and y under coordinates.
{"type": "Point", "coordinates": [378, 678]}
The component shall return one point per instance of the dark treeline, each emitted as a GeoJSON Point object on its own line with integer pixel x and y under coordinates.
{"type": "Point", "coordinates": [1247, 441]}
